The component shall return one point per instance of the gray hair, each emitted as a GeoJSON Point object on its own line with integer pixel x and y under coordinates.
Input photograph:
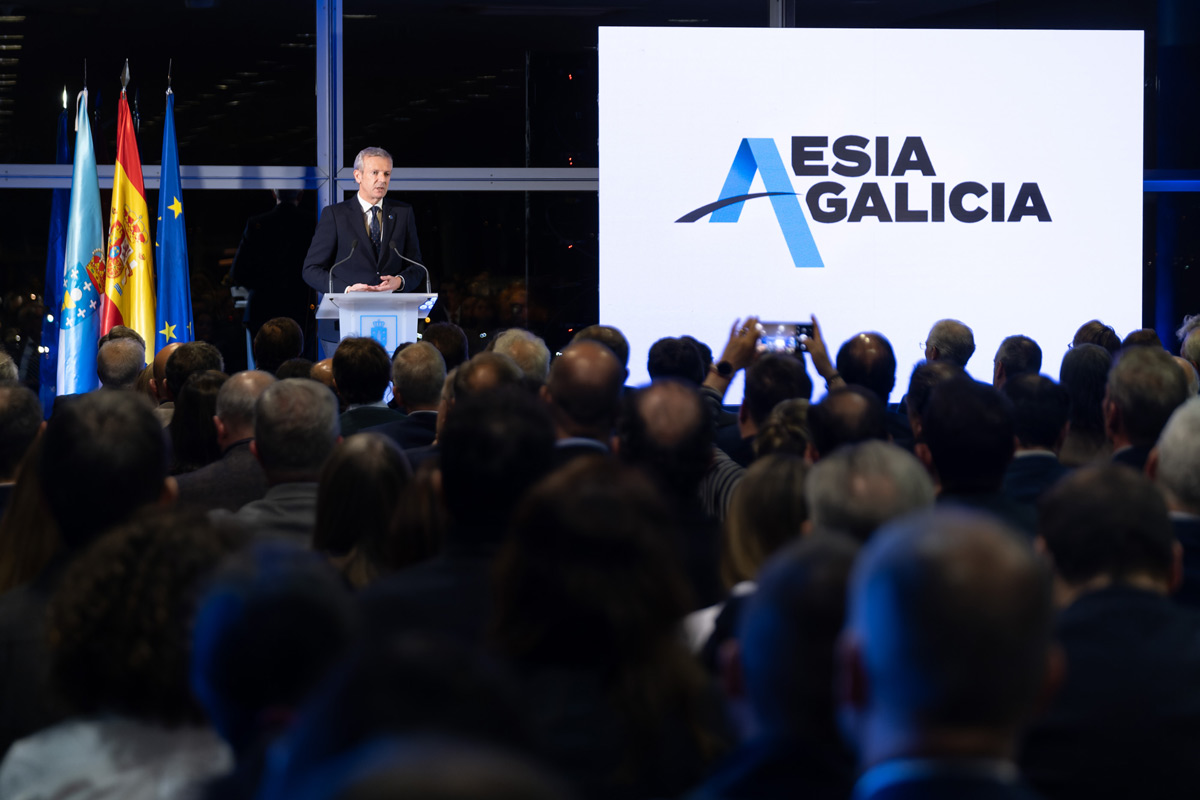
{"type": "Point", "coordinates": [1146, 385]}
{"type": "Point", "coordinates": [8, 368]}
{"type": "Point", "coordinates": [954, 341]}
{"type": "Point", "coordinates": [1191, 323]}
{"type": "Point", "coordinates": [238, 396]}
{"type": "Point", "coordinates": [1190, 349]}
{"type": "Point", "coordinates": [418, 374]}
{"type": "Point", "coordinates": [1189, 374]}
{"type": "Point", "coordinates": [1179, 455]}
{"type": "Point", "coordinates": [295, 428]}
{"type": "Point", "coordinates": [119, 362]}
{"type": "Point", "coordinates": [857, 488]}
{"type": "Point", "coordinates": [529, 351]}
{"type": "Point", "coordinates": [370, 152]}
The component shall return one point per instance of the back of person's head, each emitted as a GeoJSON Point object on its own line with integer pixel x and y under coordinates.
{"type": "Point", "coordinates": [494, 446]}
{"type": "Point", "coordinates": [361, 370]}
{"type": "Point", "coordinates": [8, 368]}
{"type": "Point", "coordinates": [675, 358]}
{"type": "Point", "coordinates": [1106, 521]}
{"type": "Point", "coordinates": [706, 354]}
{"type": "Point", "coordinates": [610, 337]}
{"type": "Point", "coordinates": [859, 487]}
{"type": "Point", "coordinates": [1190, 376]}
{"type": "Point", "coordinates": [418, 373]}
{"type": "Point", "coordinates": [528, 351]}
{"type": "Point", "coordinates": [969, 429]}
{"type": "Point", "coordinates": [949, 628]}
{"type": "Point", "coordinates": [237, 398]}
{"type": "Point", "coordinates": [664, 429]}
{"type": "Point", "coordinates": [270, 625]}
{"type": "Point", "coordinates": [1142, 337]}
{"type": "Point", "coordinates": [189, 358]}
{"type": "Point", "coordinates": [950, 340]}
{"type": "Point", "coordinates": [277, 341]}
{"type": "Point", "coordinates": [119, 363]}
{"type": "Point", "coordinates": [104, 455]}
{"type": "Point", "coordinates": [787, 634]}
{"type": "Point", "coordinates": [785, 431]}
{"type": "Point", "coordinates": [121, 332]}
{"type": "Point", "coordinates": [1145, 386]}
{"type": "Point", "coordinates": [295, 368]}
{"type": "Point", "coordinates": [925, 376]}
{"type": "Point", "coordinates": [1178, 457]}
{"type": "Point", "coordinates": [450, 340]}
{"type": "Point", "coordinates": [192, 429]}
{"type": "Point", "coordinates": [847, 415]}
{"type": "Point", "coordinates": [1096, 332]}
{"type": "Point", "coordinates": [358, 492]}
{"type": "Point", "coordinates": [1040, 410]}
{"type": "Point", "coordinates": [770, 380]}
{"type": "Point", "coordinates": [1019, 355]}
{"type": "Point", "coordinates": [295, 429]}
{"type": "Point", "coordinates": [868, 360]}
{"type": "Point", "coordinates": [1084, 374]}
{"type": "Point", "coordinates": [1190, 347]}
{"type": "Point", "coordinates": [584, 389]}
{"type": "Point", "coordinates": [767, 510]}
{"type": "Point", "coordinates": [20, 421]}
{"type": "Point", "coordinates": [119, 621]}
{"type": "Point", "coordinates": [484, 373]}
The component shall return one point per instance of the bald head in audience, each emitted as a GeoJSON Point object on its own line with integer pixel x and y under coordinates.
{"type": "Point", "coordinates": [119, 363]}
{"type": "Point", "coordinates": [583, 391]}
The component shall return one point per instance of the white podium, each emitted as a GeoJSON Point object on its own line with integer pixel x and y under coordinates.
{"type": "Point", "coordinates": [388, 318]}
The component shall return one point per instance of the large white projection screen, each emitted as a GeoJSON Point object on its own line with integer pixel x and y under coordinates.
{"type": "Point", "coordinates": [1009, 195]}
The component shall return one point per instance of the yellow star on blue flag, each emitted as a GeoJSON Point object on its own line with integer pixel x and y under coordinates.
{"type": "Point", "coordinates": [174, 291]}
{"type": "Point", "coordinates": [168, 331]}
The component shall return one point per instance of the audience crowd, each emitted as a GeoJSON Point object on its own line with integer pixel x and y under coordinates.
{"type": "Point", "coordinates": [427, 575]}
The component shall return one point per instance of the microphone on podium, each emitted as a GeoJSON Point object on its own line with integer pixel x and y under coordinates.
{"type": "Point", "coordinates": [416, 263]}
{"type": "Point", "coordinates": [353, 245]}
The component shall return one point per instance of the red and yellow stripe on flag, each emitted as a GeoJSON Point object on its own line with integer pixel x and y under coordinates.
{"type": "Point", "coordinates": [129, 266]}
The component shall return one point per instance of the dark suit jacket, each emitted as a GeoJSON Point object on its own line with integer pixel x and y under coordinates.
{"type": "Point", "coordinates": [363, 417]}
{"type": "Point", "coordinates": [417, 429]}
{"type": "Point", "coordinates": [772, 767]}
{"type": "Point", "coordinates": [1021, 516]}
{"type": "Point", "coordinates": [342, 225]}
{"type": "Point", "coordinates": [1126, 721]}
{"type": "Point", "coordinates": [1029, 476]}
{"type": "Point", "coordinates": [1134, 456]}
{"type": "Point", "coordinates": [230, 482]}
{"type": "Point", "coordinates": [273, 246]}
{"type": "Point", "coordinates": [1187, 531]}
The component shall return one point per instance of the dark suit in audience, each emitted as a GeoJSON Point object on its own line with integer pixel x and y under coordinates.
{"type": "Point", "coordinates": [1040, 411]}
{"type": "Point", "coordinates": [1030, 474]}
{"type": "Point", "coordinates": [1133, 456]}
{"type": "Point", "coordinates": [229, 483]}
{"type": "Point", "coordinates": [583, 393]}
{"type": "Point", "coordinates": [416, 429]}
{"type": "Point", "coordinates": [1187, 533]}
{"type": "Point", "coordinates": [360, 418]}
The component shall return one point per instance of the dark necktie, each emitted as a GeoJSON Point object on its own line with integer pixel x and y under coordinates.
{"type": "Point", "coordinates": [376, 233]}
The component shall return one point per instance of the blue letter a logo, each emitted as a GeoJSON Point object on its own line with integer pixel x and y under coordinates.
{"type": "Point", "coordinates": [761, 156]}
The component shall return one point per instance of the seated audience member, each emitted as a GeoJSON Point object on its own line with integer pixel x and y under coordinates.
{"type": "Point", "coordinates": [675, 358]}
{"type": "Point", "coordinates": [528, 351]}
{"type": "Point", "coordinates": [1189, 347]}
{"type": "Point", "coordinates": [188, 359]}
{"type": "Point", "coordinates": [119, 363]}
{"type": "Point", "coordinates": [783, 673]}
{"type": "Point", "coordinates": [950, 340]}
{"type": "Point", "coordinates": [1142, 337]}
{"type": "Point", "coordinates": [494, 445]}
{"type": "Point", "coordinates": [588, 599]}
{"type": "Point", "coordinates": [583, 394]}
{"type": "Point", "coordinates": [970, 434]}
{"type": "Point", "coordinates": [9, 374]}
{"type": "Point", "coordinates": [610, 337]}
{"type": "Point", "coordinates": [159, 391]}
{"type": "Point", "coordinates": [294, 368]}
{"type": "Point", "coordinates": [418, 375]}
{"type": "Point", "coordinates": [295, 430]}
{"type": "Point", "coordinates": [868, 360]}
{"type": "Point", "coordinates": [361, 373]}
{"type": "Point", "coordinates": [269, 627]}
{"type": "Point", "coordinates": [1096, 332]}
{"type": "Point", "coordinates": [449, 340]}
{"type": "Point", "coordinates": [119, 623]}
{"type": "Point", "coordinates": [925, 376]}
{"type": "Point", "coordinates": [1126, 720]}
{"type": "Point", "coordinates": [20, 423]}
{"type": "Point", "coordinates": [945, 655]}
{"type": "Point", "coordinates": [1084, 373]}
{"type": "Point", "coordinates": [1040, 411]}
{"type": "Point", "coordinates": [766, 513]}
{"type": "Point", "coordinates": [859, 487]}
{"type": "Point", "coordinates": [770, 380]}
{"type": "Point", "coordinates": [236, 477]}
{"type": "Point", "coordinates": [359, 492]}
{"type": "Point", "coordinates": [1144, 387]}
{"type": "Point", "coordinates": [1174, 464]}
{"type": "Point", "coordinates": [192, 429]}
{"type": "Point", "coordinates": [28, 536]}
{"type": "Point", "coordinates": [1017, 355]}
{"type": "Point", "coordinates": [1190, 376]}
{"type": "Point", "coordinates": [785, 431]}
{"type": "Point", "coordinates": [322, 372]}
{"type": "Point", "coordinates": [103, 456]}
{"type": "Point", "coordinates": [121, 332]}
{"type": "Point", "coordinates": [664, 430]}
{"type": "Point", "coordinates": [847, 415]}
{"type": "Point", "coordinates": [278, 340]}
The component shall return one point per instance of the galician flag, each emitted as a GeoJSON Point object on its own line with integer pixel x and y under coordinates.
{"type": "Point", "coordinates": [83, 263]}
{"type": "Point", "coordinates": [129, 265]}
{"type": "Point", "coordinates": [174, 291]}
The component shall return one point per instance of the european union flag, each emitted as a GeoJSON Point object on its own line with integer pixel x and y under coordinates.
{"type": "Point", "coordinates": [60, 205]}
{"type": "Point", "coordinates": [174, 322]}
{"type": "Point", "coordinates": [83, 263]}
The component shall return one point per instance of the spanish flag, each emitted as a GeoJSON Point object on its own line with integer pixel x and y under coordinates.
{"type": "Point", "coordinates": [129, 266]}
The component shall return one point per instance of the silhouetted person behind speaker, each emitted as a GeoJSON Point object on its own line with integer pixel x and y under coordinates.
{"type": "Point", "coordinates": [268, 259]}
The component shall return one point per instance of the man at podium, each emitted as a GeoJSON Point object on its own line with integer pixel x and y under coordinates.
{"type": "Point", "coordinates": [366, 243]}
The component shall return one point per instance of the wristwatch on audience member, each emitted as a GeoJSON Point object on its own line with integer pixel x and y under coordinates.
{"type": "Point", "coordinates": [722, 368]}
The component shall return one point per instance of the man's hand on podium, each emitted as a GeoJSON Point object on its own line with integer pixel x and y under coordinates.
{"type": "Point", "coordinates": [388, 283]}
